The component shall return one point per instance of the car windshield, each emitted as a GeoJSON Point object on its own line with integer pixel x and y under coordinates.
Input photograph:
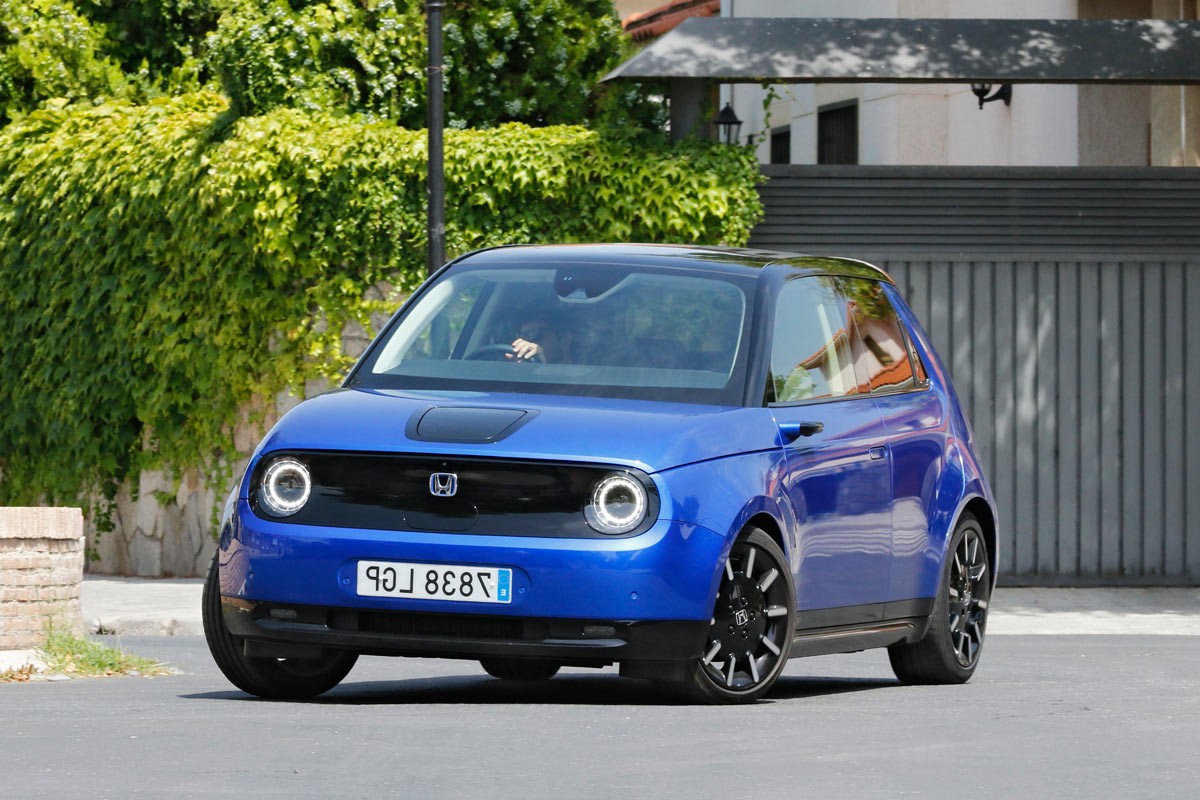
{"type": "Point", "coordinates": [596, 329]}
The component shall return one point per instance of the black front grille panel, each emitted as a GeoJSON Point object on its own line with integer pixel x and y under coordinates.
{"type": "Point", "coordinates": [493, 496]}
{"type": "Point", "coordinates": [455, 627]}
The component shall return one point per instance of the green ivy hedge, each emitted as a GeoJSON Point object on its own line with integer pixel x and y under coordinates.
{"type": "Point", "coordinates": [161, 266]}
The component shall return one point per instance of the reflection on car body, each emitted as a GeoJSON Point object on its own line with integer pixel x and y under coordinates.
{"type": "Point", "coordinates": [691, 462]}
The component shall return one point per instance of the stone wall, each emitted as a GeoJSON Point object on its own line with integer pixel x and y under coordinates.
{"type": "Point", "coordinates": [161, 530]}
{"type": "Point", "coordinates": [41, 572]}
{"type": "Point", "coordinates": [167, 528]}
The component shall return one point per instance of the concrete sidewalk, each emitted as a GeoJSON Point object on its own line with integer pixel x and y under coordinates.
{"type": "Point", "coordinates": [171, 607]}
{"type": "Point", "coordinates": [140, 607]}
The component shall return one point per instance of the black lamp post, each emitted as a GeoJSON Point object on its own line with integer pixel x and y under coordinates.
{"type": "Point", "coordinates": [729, 127]}
{"type": "Point", "coordinates": [981, 90]}
{"type": "Point", "coordinates": [436, 113]}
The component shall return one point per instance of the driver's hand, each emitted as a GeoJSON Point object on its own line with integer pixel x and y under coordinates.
{"type": "Point", "coordinates": [524, 350]}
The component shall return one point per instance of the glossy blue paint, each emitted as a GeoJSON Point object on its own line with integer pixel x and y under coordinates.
{"type": "Point", "coordinates": [840, 492]}
{"type": "Point", "coordinates": [938, 472]}
{"type": "Point", "coordinates": [662, 574]}
{"type": "Point", "coordinates": [864, 502]}
{"type": "Point", "coordinates": [648, 435]}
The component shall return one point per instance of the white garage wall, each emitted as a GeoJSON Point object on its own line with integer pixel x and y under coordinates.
{"type": "Point", "coordinates": [919, 124]}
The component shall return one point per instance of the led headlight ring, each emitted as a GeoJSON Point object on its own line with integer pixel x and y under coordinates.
{"type": "Point", "coordinates": [285, 488]}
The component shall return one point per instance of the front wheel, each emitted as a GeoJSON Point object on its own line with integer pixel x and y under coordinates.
{"type": "Point", "coordinates": [949, 651]}
{"type": "Point", "coordinates": [753, 620]}
{"type": "Point", "coordinates": [272, 678]}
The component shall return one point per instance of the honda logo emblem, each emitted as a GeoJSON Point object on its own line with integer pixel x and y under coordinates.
{"type": "Point", "coordinates": [443, 484]}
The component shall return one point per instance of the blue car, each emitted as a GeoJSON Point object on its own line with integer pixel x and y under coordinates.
{"type": "Point", "coordinates": [691, 462]}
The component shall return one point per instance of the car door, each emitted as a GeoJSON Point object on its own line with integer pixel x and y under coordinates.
{"type": "Point", "coordinates": [914, 419]}
{"type": "Point", "coordinates": [837, 476]}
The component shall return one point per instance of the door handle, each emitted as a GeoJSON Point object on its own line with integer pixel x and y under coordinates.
{"type": "Point", "coordinates": [878, 453]}
{"type": "Point", "coordinates": [794, 430]}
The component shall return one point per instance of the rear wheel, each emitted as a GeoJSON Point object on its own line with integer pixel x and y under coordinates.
{"type": "Point", "coordinates": [520, 669]}
{"type": "Point", "coordinates": [272, 678]}
{"type": "Point", "coordinates": [949, 651]}
{"type": "Point", "coordinates": [754, 617]}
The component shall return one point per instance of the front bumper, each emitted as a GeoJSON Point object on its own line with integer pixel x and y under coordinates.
{"type": "Point", "coordinates": [646, 597]}
{"type": "Point", "coordinates": [283, 630]}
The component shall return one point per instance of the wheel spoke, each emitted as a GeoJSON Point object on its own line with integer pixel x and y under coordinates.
{"type": "Point", "coordinates": [768, 579]}
{"type": "Point", "coordinates": [748, 568]}
{"type": "Point", "coordinates": [729, 570]}
{"type": "Point", "coordinates": [776, 611]}
{"type": "Point", "coordinates": [769, 643]}
{"type": "Point", "coordinates": [963, 642]}
{"type": "Point", "coordinates": [712, 653]}
{"type": "Point", "coordinates": [730, 670]}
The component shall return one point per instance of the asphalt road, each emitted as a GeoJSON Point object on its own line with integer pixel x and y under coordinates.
{"type": "Point", "coordinates": [1045, 717]}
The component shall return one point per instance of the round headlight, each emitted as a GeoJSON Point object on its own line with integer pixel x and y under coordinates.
{"type": "Point", "coordinates": [618, 504]}
{"type": "Point", "coordinates": [285, 488]}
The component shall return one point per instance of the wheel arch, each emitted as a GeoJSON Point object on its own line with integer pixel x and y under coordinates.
{"type": "Point", "coordinates": [986, 517]}
{"type": "Point", "coordinates": [769, 525]}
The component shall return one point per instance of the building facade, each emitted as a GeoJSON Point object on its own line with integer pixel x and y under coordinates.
{"type": "Point", "coordinates": [943, 124]}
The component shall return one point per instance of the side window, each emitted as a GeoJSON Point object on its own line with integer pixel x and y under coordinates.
{"type": "Point", "coordinates": [880, 348]}
{"type": "Point", "coordinates": [810, 346]}
{"type": "Point", "coordinates": [919, 373]}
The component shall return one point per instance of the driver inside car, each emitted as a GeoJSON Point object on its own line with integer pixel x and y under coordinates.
{"type": "Point", "coordinates": [542, 338]}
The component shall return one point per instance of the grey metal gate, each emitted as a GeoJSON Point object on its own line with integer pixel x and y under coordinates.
{"type": "Point", "coordinates": [1066, 304]}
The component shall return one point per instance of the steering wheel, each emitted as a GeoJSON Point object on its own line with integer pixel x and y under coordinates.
{"type": "Point", "coordinates": [496, 352]}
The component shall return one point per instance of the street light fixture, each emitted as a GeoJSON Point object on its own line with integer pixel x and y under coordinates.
{"type": "Point", "coordinates": [728, 126]}
{"type": "Point", "coordinates": [981, 90]}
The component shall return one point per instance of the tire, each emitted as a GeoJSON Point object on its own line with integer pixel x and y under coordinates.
{"type": "Point", "coordinates": [950, 649]}
{"type": "Point", "coordinates": [271, 678]}
{"type": "Point", "coordinates": [520, 669]}
{"type": "Point", "coordinates": [754, 618]}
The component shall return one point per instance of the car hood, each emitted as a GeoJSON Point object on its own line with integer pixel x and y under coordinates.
{"type": "Point", "coordinates": [651, 436]}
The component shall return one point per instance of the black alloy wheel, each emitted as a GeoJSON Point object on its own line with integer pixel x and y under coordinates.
{"type": "Point", "coordinates": [270, 678]}
{"type": "Point", "coordinates": [754, 618]}
{"type": "Point", "coordinates": [950, 649]}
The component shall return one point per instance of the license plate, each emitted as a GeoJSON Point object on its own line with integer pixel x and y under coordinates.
{"type": "Point", "coordinates": [435, 581]}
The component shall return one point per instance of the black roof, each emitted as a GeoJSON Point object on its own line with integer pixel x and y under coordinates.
{"type": "Point", "coordinates": [905, 50]}
{"type": "Point", "coordinates": [720, 259]}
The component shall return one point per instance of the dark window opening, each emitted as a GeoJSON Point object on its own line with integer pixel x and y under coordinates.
{"type": "Point", "coordinates": [781, 145]}
{"type": "Point", "coordinates": [837, 134]}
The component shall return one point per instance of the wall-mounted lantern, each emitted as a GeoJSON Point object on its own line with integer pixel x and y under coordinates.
{"type": "Point", "coordinates": [729, 127]}
{"type": "Point", "coordinates": [981, 90]}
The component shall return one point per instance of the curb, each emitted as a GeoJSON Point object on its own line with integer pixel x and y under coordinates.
{"type": "Point", "coordinates": [144, 626]}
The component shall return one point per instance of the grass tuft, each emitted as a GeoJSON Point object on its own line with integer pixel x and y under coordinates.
{"type": "Point", "coordinates": [75, 656]}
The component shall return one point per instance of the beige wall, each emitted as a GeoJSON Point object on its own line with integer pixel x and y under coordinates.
{"type": "Point", "coordinates": [920, 124]}
{"type": "Point", "coordinates": [1156, 126]}
{"type": "Point", "coordinates": [627, 7]}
